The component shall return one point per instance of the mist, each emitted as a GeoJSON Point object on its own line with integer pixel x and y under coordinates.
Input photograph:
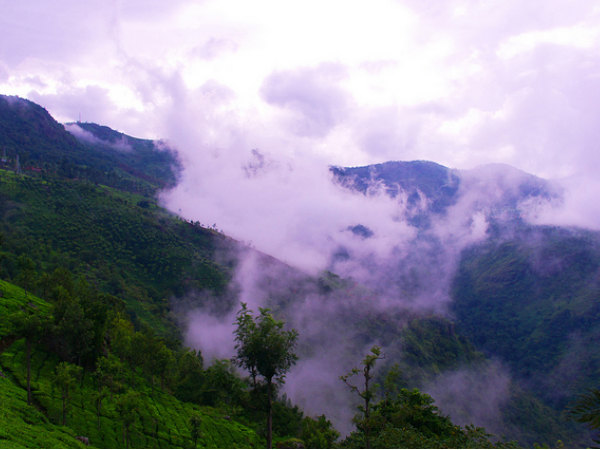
{"type": "Point", "coordinates": [473, 395]}
{"type": "Point", "coordinates": [299, 214]}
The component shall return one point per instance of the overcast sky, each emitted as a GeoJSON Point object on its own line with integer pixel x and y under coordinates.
{"type": "Point", "coordinates": [460, 82]}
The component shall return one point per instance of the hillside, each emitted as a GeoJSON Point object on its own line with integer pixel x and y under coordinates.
{"type": "Point", "coordinates": [33, 140]}
{"type": "Point", "coordinates": [161, 421]}
{"type": "Point", "coordinates": [93, 253]}
{"type": "Point", "coordinates": [533, 301]}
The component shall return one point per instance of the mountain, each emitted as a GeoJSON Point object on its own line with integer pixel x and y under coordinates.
{"type": "Point", "coordinates": [29, 135]}
{"type": "Point", "coordinates": [525, 295]}
{"type": "Point", "coordinates": [426, 188]}
{"type": "Point", "coordinates": [475, 305]}
{"type": "Point", "coordinates": [532, 300]}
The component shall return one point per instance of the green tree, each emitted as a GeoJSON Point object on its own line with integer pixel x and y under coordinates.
{"type": "Point", "coordinates": [367, 392]}
{"type": "Point", "coordinates": [98, 397]}
{"type": "Point", "coordinates": [128, 407]}
{"type": "Point", "coordinates": [318, 433]}
{"type": "Point", "coordinates": [222, 386]}
{"type": "Point", "coordinates": [110, 373]}
{"type": "Point", "coordinates": [65, 377]}
{"type": "Point", "coordinates": [31, 326]}
{"type": "Point", "coordinates": [188, 386]}
{"type": "Point", "coordinates": [410, 419]}
{"type": "Point", "coordinates": [195, 433]}
{"type": "Point", "coordinates": [264, 348]}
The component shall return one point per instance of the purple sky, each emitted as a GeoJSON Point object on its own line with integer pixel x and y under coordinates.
{"type": "Point", "coordinates": [259, 97]}
{"type": "Point", "coordinates": [460, 82]}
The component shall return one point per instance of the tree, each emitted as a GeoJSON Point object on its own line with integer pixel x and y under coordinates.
{"type": "Point", "coordinates": [188, 386]}
{"type": "Point", "coordinates": [264, 348]}
{"type": "Point", "coordinates": [195, 424]}
{"type": "Point", "coordinates": [409, 419]}
{"type": "Point", "coordinates": [128, 406]}
{"type": "Point", "coordinates": [98, 397]}
{"type": "Point", "coordinates": [318, 433]}
{"type": "Point", "coordinates": [65, 377]}
{"type": "Point", "coordinates": [367, 392]}
{"type": "Point", "coordinates": [587, 409]}
{"type": "Point", "coordinates": [30, 326]}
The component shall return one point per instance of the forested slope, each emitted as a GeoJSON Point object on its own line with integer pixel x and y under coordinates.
{"type": "Point", "coordinates": [99, 262]}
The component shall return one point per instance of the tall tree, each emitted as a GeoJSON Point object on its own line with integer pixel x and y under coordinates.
{"type": "Point", "coordinates": [66, 375]}
{"type": "Point", "coordinates": [30, 326]}
{"type": "Point", "coordinates": [128, 407]}
{"type": "Point", "coordinates": [264, 348]}
{"type": "Point", "coordinates": [367, 392]}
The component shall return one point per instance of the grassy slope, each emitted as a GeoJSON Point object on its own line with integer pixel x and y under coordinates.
{"type": "Point", "coordinates": [163, 420]}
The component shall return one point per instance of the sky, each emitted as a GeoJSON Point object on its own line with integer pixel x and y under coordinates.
{"type": "Point", "coordinates": [459, 82]}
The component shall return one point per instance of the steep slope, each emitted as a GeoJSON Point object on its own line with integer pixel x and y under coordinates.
{"type": "Point", "coordinates": [124, 243]}
{"type": "Point", "coordinates": [32, 139]}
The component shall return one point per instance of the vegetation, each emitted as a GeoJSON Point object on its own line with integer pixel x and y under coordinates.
{"type": "Point", "coordinates": [97, 404]}
{"type": "Point", "coordinates": [405, 418]}
{"type": "Point", "coordinates": [587, 409]}
{"type": "Point", "coordinates": [367, 393]}
{"type": "Point", "coordinates": [532, 301]}
{"type": "Point", "coordinates": [265, 349]}
{"type": "Point", "coordinates": [139, 254]}
{"type": "Point", "coordinates": [89, 347]}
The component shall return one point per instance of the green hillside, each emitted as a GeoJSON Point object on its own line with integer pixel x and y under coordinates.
{"type": "Point", "coordinates": [159, 419]}
{"type": "Point", "coordinates": [533, 301]}
{"type": "Point", "coordinates": [32, 140]}
{"type": "Point", "coordinates": [123, 243]}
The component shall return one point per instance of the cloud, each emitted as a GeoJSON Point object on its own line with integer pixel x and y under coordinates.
{"type": "Point", "coordinates": [312, 95]}
{"type": "Point", "coordinates": [122, 144]}
{"type": "Point", "coordinates": [473, 395]}
{"type": "Point", "coordinates": [576, 207]}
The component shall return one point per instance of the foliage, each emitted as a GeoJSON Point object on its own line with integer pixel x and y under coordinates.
{"type": "Point", "coordinates": [318, 433]}
{"type": "Point", "coordinates": [364, 424]}
{"type": "Point", "coordinates": [142, 255]}
{"type": "Point", "coordinates": [23, 426]}
{"type": "Point", "coordinates": [100, 402]}
{"type": "Point", "coordinates": [265, 349]}
{"type": "Point", "coordinates": [411, 420]}
{"type": "Point", "coordinates": [531, 300]}
{"type": "Point", "coordinates": [587, 409]}
{"type": "Point", "coordinates": [65, 377]}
